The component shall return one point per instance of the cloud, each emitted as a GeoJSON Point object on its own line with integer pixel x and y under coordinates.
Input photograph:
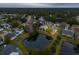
{"type": "Point", "coordinates": [39, 5]}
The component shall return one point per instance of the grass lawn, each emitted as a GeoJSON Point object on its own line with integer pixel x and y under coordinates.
{"type": "Point", "coordinates": [75, 42]}
{"type": "Point", "coordinates": [54, 38]}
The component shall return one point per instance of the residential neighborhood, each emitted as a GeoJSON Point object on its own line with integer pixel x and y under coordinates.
{"type": "Point", "coordinates": [39, 33]}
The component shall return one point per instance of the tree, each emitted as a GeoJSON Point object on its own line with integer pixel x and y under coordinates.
{"type": "Point", "coordinates": [15, 23]}
{"type": "Point", "coordinates": [7, 40]}
{"type": "Point", "coordinates": [21, 26]}
{"type": "Point", "coordinates": [36, 25]}
{"type": "Point", "coordinates": [49, 30]}
{"type": "Point", "coordinates": [53, 18]}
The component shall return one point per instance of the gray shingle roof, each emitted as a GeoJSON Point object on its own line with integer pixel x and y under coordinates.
{"type": "Point", "coordinates": [8, 49]}
{"type": "Point", "coordinates": [67, 33]}
{"type": "Point", "coordinates": [10, 35]}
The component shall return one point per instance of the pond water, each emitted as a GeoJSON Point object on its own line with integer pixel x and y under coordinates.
{"type": "Point", "coordinates": [68, 49]}
{"type": "Point", "coordinates": [41, 42]}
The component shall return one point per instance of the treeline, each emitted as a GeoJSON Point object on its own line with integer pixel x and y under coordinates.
{"type": "Point", "coordinates": [37, 10]}
{"type": "Point", "coordinates": [67, 14]}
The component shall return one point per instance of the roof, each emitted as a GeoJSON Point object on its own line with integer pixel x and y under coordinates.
{"type": "Point", "coordinates": [10, 49]}
{"type": "Point", "coordinates": [76, 30]}
{"type": "Point", "coordinates": [10, 35]}
{"type": "Point", "coordinates": [67, 49]}
{"type": "Point", "coordinates": [41, 19]}
{"type": "Point", "coordinates": [13, 35]}
{"type": "Point", "coordinates": [68, 33]}
{"type": "Point", "coordinates": [1, 16]}
{"type": "Point", "coordinates": [1, 41]}
{"type": "Point", "coordinates": [44, 27]}
{"type": "Point", "coordinates": [77, 33]}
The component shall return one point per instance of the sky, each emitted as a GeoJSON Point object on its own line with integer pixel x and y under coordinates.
{"type": "Point", "coordinates": [39, 5]}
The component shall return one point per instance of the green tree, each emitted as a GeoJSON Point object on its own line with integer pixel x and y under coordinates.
{"type": "Point", "coordinates": [49, 30]}
{"type": "Point", "coordinates": [15, 23]}
{"type": "Point", "coordinates": [36, 25]}
{"type": "Point", "coordinates": [7, 40]}
{"type": "Point", "coordinates": [53, 18]}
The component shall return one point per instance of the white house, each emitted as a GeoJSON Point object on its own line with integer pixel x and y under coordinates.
{"type": "Point", "coordinates": [43, 27]}
{"type": "Point", "coordinates": [41, 20]}
{"type": "Point", "coordinates": [4, 26]}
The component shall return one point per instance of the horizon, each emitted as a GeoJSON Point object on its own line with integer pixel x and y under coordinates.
{"type": "Point", "coordinates": [39, 5]}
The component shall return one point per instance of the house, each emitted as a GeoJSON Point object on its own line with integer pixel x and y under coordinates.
{"type": "Point", "coordinates": [68, 33]}
{"type": "Point", "coordinates": [67, 26]}
{"type": "Point", "coordinates": [49, 23]}
{"type": "Point", "coordinates": [77, 18]}
{"type": "Point", "coordinates": [43, 27]}
{"type": "Point", "coordinates": [41, 20]}
{"type": "Point", "coordinates": [10, 50]}
{"type": "Point", "coordinates": [54, 29]}
{"type": "Point", "coordinates": [67, 49]}
{"type": "Point", "coordinates": [1, 17]}
{"type": "Point", "coordinates": [57, 24]}
{"type": "Point", "coordinates": [1, 41]}
{"type": "Point", "coordinates": [34, 16]}
{"type": "Point", "coordinates": [75, 28]}
{"type": "Point", "coordinates": [63, 25]}
{"type": "Point", "coordinates": [35, 20]}
{"type": "Point", "coordinates": [14, 15]}
{"type": "Point", "coordinates": [1, 29]}
{"type": "Point", "coordinates": [18, 32]}
{"type": "Point", "coordinates": [6, 26]}
{"type": "Point", "coordinates": [13, 35]}
{"type": "Point", "coordinates": [58, 19]}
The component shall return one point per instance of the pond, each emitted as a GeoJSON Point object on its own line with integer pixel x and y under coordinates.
{"type": "Point", "coordinates": [40, 42]}
{"type": "Point", "coordinates": [68, 49]}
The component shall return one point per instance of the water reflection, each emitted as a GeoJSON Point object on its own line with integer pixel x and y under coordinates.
{"type": "Point", "coordinates": [41, 42]}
